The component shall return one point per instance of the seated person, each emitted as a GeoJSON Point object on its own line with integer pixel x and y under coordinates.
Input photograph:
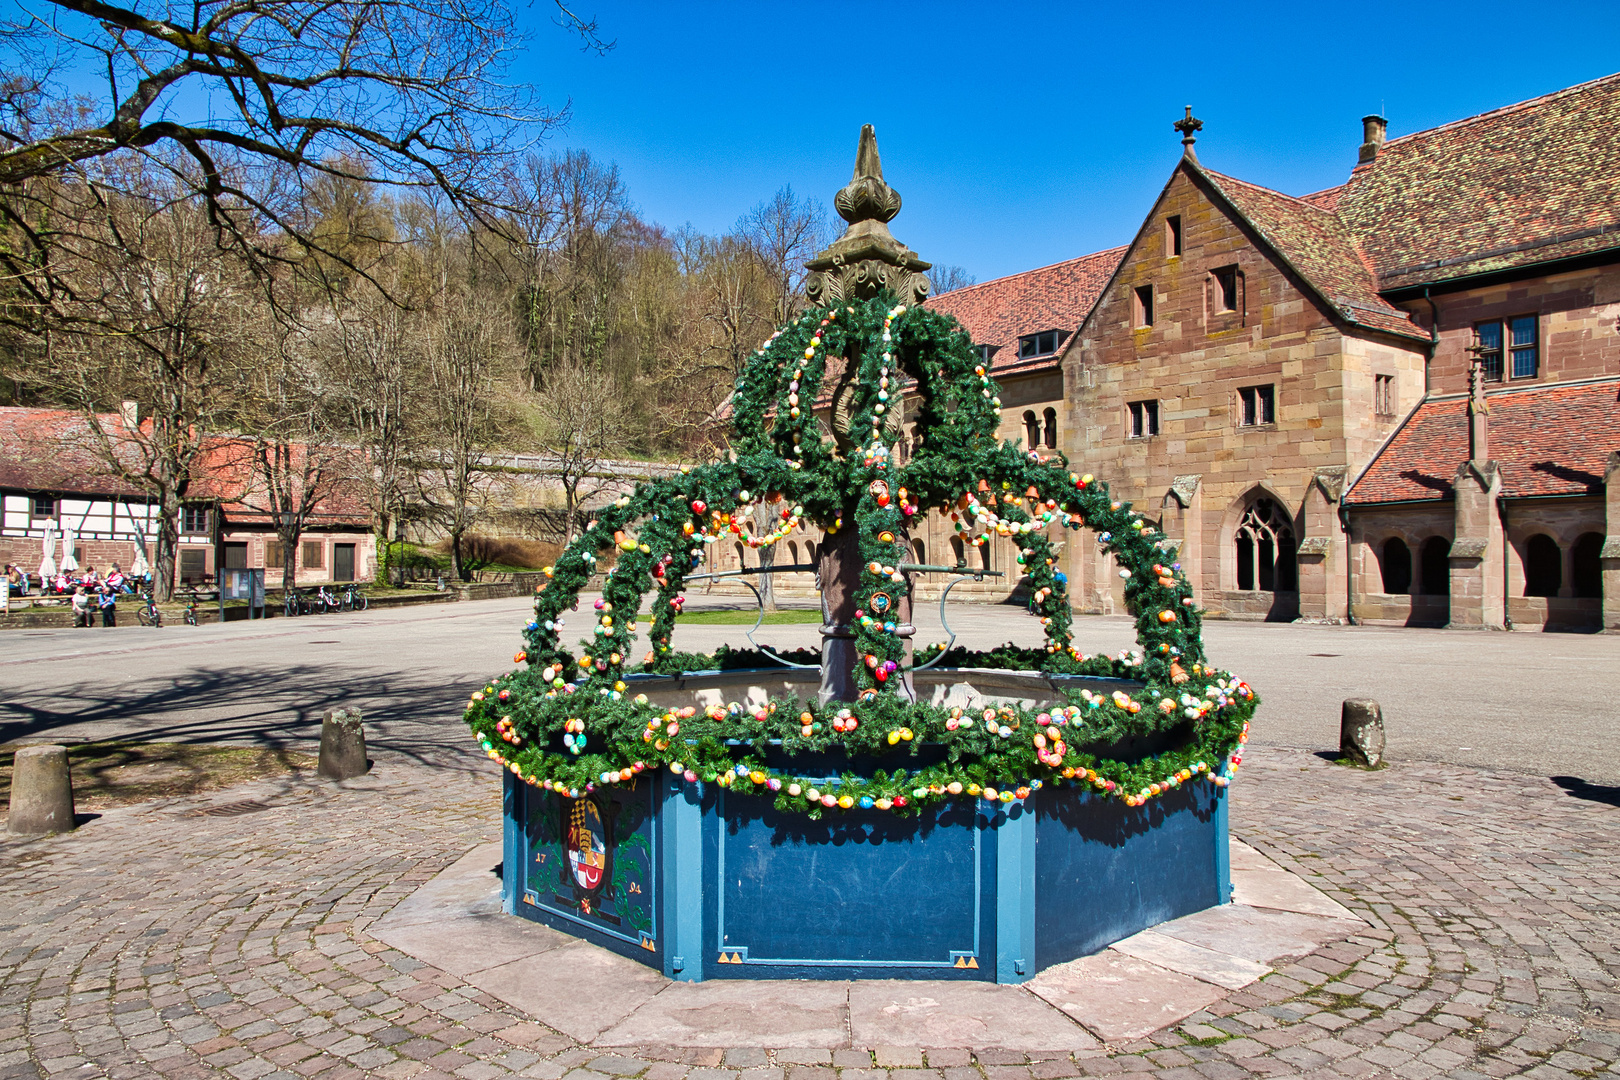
{"type": "Point", "coordinates": [83, 613]}
{"type": "Point", "coordinates": [116, 579]}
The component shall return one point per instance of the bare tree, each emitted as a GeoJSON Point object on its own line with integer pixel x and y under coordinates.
{"type": "Point", "coordinates": [286, 457]}
{"type": "Point", "coordinates": [945, 278]}
{"type": "Point", "coordinates": [782, 233]}
{"type": "Point", "coordinates": [378, 91]}
{"type": "Point", "coordinates": [468, 353]}
{"type": "Point", "coordinates": [371, 347]}
{"type": "Point", "coordinates": [162, 317]}
{"type": "Point", "coordinates": [580, 420]}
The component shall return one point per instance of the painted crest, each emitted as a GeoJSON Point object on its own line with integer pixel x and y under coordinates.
{"type": "Point", "coordinates": [587, 844]}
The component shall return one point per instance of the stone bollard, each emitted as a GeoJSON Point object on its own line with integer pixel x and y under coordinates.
{"type": "Point", "coordinates": [1361, 732]}
{"type": "Point", "coordinates": [343, 744]}
{"type": "Point", "coordinates": [41, 791]}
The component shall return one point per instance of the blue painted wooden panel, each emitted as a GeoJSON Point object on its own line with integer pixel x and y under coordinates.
{"type": "Point", "coordinates": [1105, 871]}
{"type": "Point", "coordinates": [589, 867]}
{"type": "Point", "coordinates": [857, 894]}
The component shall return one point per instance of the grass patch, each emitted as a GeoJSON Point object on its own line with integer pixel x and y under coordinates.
{"type": "Point", "coordinates": [119, 773]}
{"type": "Point", "coordinates": [791, 616]}
{"type": "Point", "coordinates": [1352, 763]}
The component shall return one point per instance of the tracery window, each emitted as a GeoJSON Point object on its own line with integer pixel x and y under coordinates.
{"type": "Point", "coordinates": [1265, 549]}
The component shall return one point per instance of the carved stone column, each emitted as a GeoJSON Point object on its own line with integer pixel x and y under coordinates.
{"type": "Point", "coordinates": [1477, 585]}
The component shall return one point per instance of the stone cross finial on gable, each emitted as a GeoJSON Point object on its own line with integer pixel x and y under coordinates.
{"type": "Point", "coordinates": [1187, 125]}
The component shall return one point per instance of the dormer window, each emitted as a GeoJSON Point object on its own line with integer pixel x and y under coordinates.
{"type": "Point", "coordinates": [1043, 344]}
{"type": "Point", "coordinates": [985, 353]}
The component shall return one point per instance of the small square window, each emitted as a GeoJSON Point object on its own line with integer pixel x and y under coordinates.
{"type": "Point", "coordinates": [194, 520]}
{"type": "Point", "coordinates": [1257, 405]}
{"type": "Point", "coordinates": [1384, 395]}
{"type": "Point", "coordinates": [985, 352]}
{"type": "Point", "coordinates": [193, 564]}
{"type": "Point", "coordinates": [1144, 305]}
{"type": "Point", "coordinates": [44, 506]}
{"type": "Point", "coordinates": [1143, 419]}
{"type": "Point", "coordinates": [314, 555]}
{"type": "Point", "coordinates": [1172, 236]}
{"type": "Point", "coordinates": [1227, 293]}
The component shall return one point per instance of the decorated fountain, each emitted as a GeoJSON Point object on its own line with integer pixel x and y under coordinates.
{"type": "Point", "coordinates": [877, 810]}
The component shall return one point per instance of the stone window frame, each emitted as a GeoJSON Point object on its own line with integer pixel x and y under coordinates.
{"type": "Point", "coordinates": [306, 548]}
{"type": "Point", "coordinates": [1174, 239]}
{"type": "Point", "coordinates": [1142, 307]}
{"type": "Point", "coordinates": [1142, 418]}
{"type": "Point", "coordinates": [1247, 406]}
{"type": "Point", "coordinates": [1502, 363]}
{"type": "Point", "coordinates": [1383, 395]}
{"type": "Point", "coordinates": [1221, 281]}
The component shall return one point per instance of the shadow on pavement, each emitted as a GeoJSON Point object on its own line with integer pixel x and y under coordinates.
{"type": "Point", "coordinates": [1580, 789]}
{"type": "Point", "coordinates": [416, 718]}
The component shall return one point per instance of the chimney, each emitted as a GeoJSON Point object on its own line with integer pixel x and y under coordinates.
{"type": "Point", "coordinates": [1372, 136]}
{"type": "Point", "coordinates": [131, 411]}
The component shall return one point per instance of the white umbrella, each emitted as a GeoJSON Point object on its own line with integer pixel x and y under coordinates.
{"type": "Point", "coordinates": [69, 563]}
{"type": "Point", "coordinates": [47, 565]}
{"type": "Point", "coordinates": [140, 567]}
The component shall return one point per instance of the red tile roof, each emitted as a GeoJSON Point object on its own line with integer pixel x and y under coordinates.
{"type": "Point", "coordinates": [1524, 184]}
{"type": "Point", "coordinates": [1315, 243]}
{"type": "Point", "coordinates": [1056, 297]}
{"type": "Point", "coordinates": [1552, 440]}
{"type": "Point", "coordinates": [57, 450]}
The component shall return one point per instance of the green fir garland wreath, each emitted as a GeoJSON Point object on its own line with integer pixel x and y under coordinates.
{"type": "Point", "coordinates": [569, 722]}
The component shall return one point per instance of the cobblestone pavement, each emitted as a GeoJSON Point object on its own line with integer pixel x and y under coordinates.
{"type": "Point", "coordinates": [163, 941]}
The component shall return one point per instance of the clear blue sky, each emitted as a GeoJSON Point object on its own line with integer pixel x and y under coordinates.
{"type": "Point", "coordinates": [1024, 134]}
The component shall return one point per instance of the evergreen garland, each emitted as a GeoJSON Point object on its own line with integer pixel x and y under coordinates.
{"type": "Point", "coordinates": [569, 723]}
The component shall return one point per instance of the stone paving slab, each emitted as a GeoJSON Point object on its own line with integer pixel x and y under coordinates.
{"type": "Point", "coordinates": [1196, 961]}
{"type": "Point", "coordinates": [1259, 934]}
{"type": "Point", "coordinates": [1122, 998]}
{"type": "Point", "coordinates": [613, 1001]}
{"type": "Point", "coordinates": [725, 1013]}
{"type": "Point", "coordinates": [978, 1016]}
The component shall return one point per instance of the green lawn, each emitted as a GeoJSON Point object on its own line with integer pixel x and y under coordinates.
{"type": "Point", "coordinates": [746, 618]}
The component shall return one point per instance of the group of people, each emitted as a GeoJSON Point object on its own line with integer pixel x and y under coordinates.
{"type": "Point", "coordinates": [91, 592]}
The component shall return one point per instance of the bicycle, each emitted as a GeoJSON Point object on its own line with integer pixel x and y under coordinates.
{"type": "Point", "coordinates": [295, 603]}
{"type": "Point", "coordinates": [148, 614]}
{"type": "Point", "coordinates": [191, 609]}
{"type": "Point", "coordinates": [353, 598]}
{"type": "Point", "coordinates": [326, 599]}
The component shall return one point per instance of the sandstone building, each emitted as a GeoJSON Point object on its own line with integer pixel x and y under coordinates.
{"type": "Point", "coordinates": [1283, 382]}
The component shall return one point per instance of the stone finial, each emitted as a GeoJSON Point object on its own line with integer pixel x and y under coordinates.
{"type": "Point", "coordinates": [1478, 408]}
{"type": "Point", "coordinates": [867, 259]}
{"type": "Point", "coordinates": [1188, 125]}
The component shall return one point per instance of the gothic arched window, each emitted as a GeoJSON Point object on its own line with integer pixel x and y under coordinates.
{"type": "Point", "coordinates": [1265, 549]}
{"type": "Point", "coordinates": [1032, 430]}
{"type": "Point", "coordinates": [1051, 428]}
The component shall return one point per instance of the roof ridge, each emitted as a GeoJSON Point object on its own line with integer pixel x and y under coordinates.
{"type": "Point", "coordinates": [1503, 110]}
{"type": "Point", "coordinates": [1025, 273]}
{"type": "Point", "coordinates": [1301, 199]}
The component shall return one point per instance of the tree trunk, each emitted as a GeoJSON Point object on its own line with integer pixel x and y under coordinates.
{"type": "Point", "coordinates": [168, 547]}
{"type": "Point", "coordinates": [456, 570]}
{"type": "Point", "coordinates": [763, 523]}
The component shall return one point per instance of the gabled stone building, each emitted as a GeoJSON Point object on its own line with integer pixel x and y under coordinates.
{"type": "Point", "coordinates": [1282, 377]}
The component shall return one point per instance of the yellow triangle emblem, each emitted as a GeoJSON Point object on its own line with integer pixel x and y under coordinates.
{"type": "Point", "coordinates": [973, 962]}
{"type": "Point", "coordinates": [961, 962]}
